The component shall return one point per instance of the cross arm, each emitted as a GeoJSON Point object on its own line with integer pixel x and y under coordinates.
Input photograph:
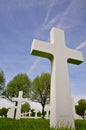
{"type": "Point", "coordinates": [24, 99]}
{"type": "Point", "coordinates": [74, 57]}
{"type": "Point", "coordinates": [42, 49]}
{"type": "Point", "coordinates": [14, 99]}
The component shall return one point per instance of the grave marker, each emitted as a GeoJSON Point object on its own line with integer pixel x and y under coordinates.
{"type": "Point", "coordinates": [11, 111]}
{"type": "Point", "coordinates": [36, 111]}
{"type": "Point", "coordinates": [59, 55]}
{"type": "Point", "coordinates": [47, 116]}
{"type": "Point", "coordinates": [29, 113]}
{"type": "Point", "coordinates": [19, 101]}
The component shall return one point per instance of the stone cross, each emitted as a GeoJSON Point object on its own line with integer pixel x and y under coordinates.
{"type": "Point", "coordinates": [29, 113]}
{"type": "Point", "coordinates": [61, 99]}
{"type": "Point", "coordinates": [25, 114]}
{"type": "Point", "coordinates": [85, 114]}
{"type": "Point", "coordinates": [19, 101]}
{"type": "Point", "coordinates": [11, 111]}
{"type": "Point", "coordinates": [47, 116]}
{"type": "Point", "coordinates": [36, 111]}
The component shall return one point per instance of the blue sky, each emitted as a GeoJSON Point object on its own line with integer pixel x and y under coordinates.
{"type": "Point", "coordinates": [21, 21]}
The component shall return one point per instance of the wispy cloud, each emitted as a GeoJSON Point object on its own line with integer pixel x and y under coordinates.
{"type": "Point", "coordinates": [81, 46]}
{"type": "Point", "coordinates": [57, 21]}
{"type": "Point", "coordinates": [65, 15]}
{"type": "Point", "coordinates": [52, 22]}
{"type": "Point", "coordinates": [73, 15]}
{"type": "Point", "coordinates": [50, 7]}
{"type": "Point", "coordinates": [47, 24]}
{"type": "Point", "coordinates": [16, 4]}
{"type": "Point", "coordinates": [33, 66]}
{"type": "Point", "coordinates": [67, 19]}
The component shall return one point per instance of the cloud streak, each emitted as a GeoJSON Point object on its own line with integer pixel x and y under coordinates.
{"type": "Point", "coordinates": [47, 23]}
{"type": "Point", "coordinates": [73, 16]}
{"type": "Point", "coordinates": [68, 17]}
{"type": "Point", "coordinates": [81, 46]}
{"type": "Point", "coordinates": [52, 22]}
{"type": "Point", "coordinates": [51, 5]}
{"type": "Point", "coordinates": [57, 20]}
{"type": "Point", "coordinates": [16, 4]}
{"type": "Point", "coordinates": [33, 66]}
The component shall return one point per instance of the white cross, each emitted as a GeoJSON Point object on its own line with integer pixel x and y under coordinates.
{"type": "Point", "coordinates": [25, 114]}
{"type": "Point", "coordinates": [11, 111]}
{"type": "Point", "coordinates": [36, 111]}
{"type": "Point", "coordinates": [61, 99]}
{"type": "Point", "coordinates": [29, 113]}
{"type": "Point", "coordinates": [19, 101]}
{"type": "Point", "coordinates": [47, 112]}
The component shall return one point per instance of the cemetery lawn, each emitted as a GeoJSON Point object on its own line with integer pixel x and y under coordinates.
{"type": "Point", "coordinates": [34, 124]}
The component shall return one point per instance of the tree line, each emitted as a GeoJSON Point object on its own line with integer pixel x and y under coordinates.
{"type": "Point", "coordinates": [37, 90]}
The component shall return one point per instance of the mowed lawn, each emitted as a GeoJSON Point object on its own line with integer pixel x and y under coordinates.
{"type": "Point", "coordinates": [34, 124]}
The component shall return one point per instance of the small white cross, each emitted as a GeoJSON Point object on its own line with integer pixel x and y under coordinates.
{"type": "Point", "coordinates": [19, 101]}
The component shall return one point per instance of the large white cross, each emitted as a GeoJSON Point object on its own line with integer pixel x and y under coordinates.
{"type": "Point", "coordinates": [61, 100]}
{"type": "Point", "coordinates": [19, 101]}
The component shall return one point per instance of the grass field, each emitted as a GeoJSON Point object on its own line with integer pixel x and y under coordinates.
{"type": "Point", "coordinates": [34, 124]}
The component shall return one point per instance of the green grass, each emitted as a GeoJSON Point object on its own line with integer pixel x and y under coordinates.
{"type": "Point", "coordinates": [34, 124]}
{"type": "Point", "coordinates": [24, 124]}
{"type": "Point", "coordinates": [80, 124]}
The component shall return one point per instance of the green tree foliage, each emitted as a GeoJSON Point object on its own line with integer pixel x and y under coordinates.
{"type": "Point", "coordinates": [25, 107]}
{"type": "Point", "coordinates": [81, 107]}
{"type": "Point", "coordinates": [41, 90]}
{"type": "Point", "coordinates": [3, 111]}
{"type": "Point", "coordinates": [32, 112]}
{"type": "Point", "coordinates": [2, 81]}
{"type": "Point", "coordinates": [38, 114]}
{"type": "Point", "coordinates": [20, 82]}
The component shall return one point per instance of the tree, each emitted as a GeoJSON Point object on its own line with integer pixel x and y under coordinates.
{"type": "Point", "coordinates": [41, 90]}
{"type": "Point", "coordinates": [2, 81]}
{"type": "Point", "coordinates": [3, 111]}
{"type": "Point", "coordinates": [25, 107]}
{"type": "Point", "coordinates": [20, 82]}
{"type": "Point", "coordinates": [81, 107]}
